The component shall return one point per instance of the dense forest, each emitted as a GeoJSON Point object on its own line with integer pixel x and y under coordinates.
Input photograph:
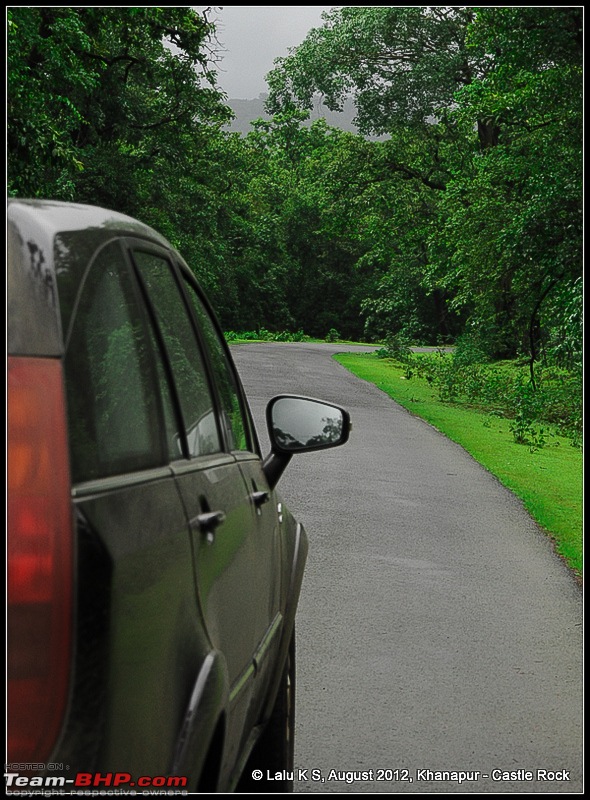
{"type": "Point", "coordinates": [456, 211]}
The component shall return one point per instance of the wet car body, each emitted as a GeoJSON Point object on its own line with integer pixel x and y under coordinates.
{"type": "Point", "coordinates": [154, 571]}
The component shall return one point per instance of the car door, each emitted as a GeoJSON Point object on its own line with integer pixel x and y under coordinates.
{"type": "Point", "coordinates": [134, 560]}
{"type": "Point", "coordinates": [265, 536]}
{"type": "Point", "coordinates": [232, 591]}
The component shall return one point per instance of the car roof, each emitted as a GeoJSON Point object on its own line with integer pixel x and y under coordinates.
{"type": "Point", "coordinates": [33, 229]}
{"type": "Point", "coordinates": [54, 216]}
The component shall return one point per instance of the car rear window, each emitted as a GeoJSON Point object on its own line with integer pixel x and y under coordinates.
{"type": "Point", "coordinates": [110, 376]}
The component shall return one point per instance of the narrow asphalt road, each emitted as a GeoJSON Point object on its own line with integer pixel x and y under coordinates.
{"type": "Point", "coordinates": [439, 638]}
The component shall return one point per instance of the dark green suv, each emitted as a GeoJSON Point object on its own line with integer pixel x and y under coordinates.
{"type": "Point", "coordinates": [153, 570]}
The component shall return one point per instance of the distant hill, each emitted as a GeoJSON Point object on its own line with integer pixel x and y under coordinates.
{"type": "Point", "coordinates": [246, 111]}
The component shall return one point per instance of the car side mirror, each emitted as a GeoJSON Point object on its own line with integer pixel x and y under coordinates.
{"type": "Point", "coordinates": [301, 425]}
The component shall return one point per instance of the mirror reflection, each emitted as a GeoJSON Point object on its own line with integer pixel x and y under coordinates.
{"type": "Point", "coordinates": [303, 424]}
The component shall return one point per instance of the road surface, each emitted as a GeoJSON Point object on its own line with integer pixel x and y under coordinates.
{"type": "Point", "coordinates": [439, 638]}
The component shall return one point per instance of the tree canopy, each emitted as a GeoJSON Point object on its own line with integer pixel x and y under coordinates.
{"type": "Point", "coordinates": [483, 109]}
{"type": "Point", "coordinates": [456, 210]}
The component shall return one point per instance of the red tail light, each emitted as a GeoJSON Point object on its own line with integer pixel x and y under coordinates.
{"type": "Point", "coordinates": [40, 558]}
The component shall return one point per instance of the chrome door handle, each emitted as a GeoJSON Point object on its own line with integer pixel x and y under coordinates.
{"type": "Point", "coordinates": [207, 523]}
{"type": "Point", "coordinates": [260, 498]}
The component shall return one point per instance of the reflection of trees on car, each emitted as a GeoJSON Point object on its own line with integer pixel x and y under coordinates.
{"type": "Point", "coordinates": [114, 418]}
{"type": "Point", "coordinates": [202, 436]}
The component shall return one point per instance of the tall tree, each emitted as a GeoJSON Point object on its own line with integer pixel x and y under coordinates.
{"type": "Point", "coordinates": [482, 107]}
{"type": "Point", "coordinates": [96, 93]}
{"type": "Point", "coordinates": [400, 64]}
{"type": "Point", "coordinates": [119, 107]}
{"type": "Point", "coordinates": [510, 226]}
{"type": "Point", "coordinates": [290, 245]}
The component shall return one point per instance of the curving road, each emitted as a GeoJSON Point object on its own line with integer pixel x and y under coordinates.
{"type": "Point", "coordinates": [439, 637]}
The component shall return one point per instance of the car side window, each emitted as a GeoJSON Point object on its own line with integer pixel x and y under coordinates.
{"type": "Point", "coordinates": [237, 430]}
{"type": "Point", "coordinates": [182, 349]}
{"type": "Point", "coordinates": [110, 379]}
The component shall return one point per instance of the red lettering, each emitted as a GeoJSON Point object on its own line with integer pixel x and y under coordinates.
{"type": "Point", "coordinates": [105, 779]}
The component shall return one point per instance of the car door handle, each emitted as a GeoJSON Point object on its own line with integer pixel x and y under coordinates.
{"type": "Point", "coordinates": [207, 523]}
{"type": "Point", "coordinates": [260, 498]}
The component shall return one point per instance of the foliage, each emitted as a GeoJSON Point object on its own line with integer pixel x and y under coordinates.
{"type": "Point", "coordinates": [398, 347]}
{"type": "Point", "coordinates": [95, 95]}
{"type": "Point", "coordinates": [520, 200]}
{"type": "Point", "coordinates": [401, 64]}
{"type": "Point", "coordinates": [505, 389]}
{"type": "Point", "coordinates": [460, 217]}
{"type": "Point", "coordinates": [266, 336]}
{"type": "Point", "coordinates": [483, 110]}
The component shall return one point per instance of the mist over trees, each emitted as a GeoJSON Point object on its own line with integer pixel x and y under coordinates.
{"type": "Point", "coordinates": [463, 219]}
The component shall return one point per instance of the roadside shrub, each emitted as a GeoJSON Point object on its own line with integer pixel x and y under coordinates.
{"type": "Point", "coordinates": [264, 335]}
{"type": "Point", "coordinates": [504, 388]}
{"type": "Point", "coordinates": [439, 370]}
{"type": "Point", "coordinates": [333, 335]}
{"type": "Point", "coordinates": [287, 336]}
{"type": "Point", "coordinates": [562, 401]}
{"type": "Point", "coordinates": [398, 347]}
{"type": "Point", "coordinates": [528, 404]}
{"type": "Point", "coordinates": [565, 342]}
{"type": "Point", "coordinates": [469, 350]}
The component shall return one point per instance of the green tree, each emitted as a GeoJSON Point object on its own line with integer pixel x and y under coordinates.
{"type": "Point", "coordinates": [118, 107]}
{"type": "Point", "coordinates": [482, 109]}
{"type": "Point", "coordinates": [96, 94]}
{"type": "Point", "coordinates": [510, 222]}
{"type": "Point", "coordinates": [287, 248]}
{"type": "Point", "coordinates": [400, 64]}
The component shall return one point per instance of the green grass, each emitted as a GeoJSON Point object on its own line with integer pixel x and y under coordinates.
{"type": "Point", "coordinates": [549, 481]}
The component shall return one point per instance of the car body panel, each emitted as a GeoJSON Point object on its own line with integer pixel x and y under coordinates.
{"type": "Point", "coordinates": [34, 243]}
{"type": "Point", "coordinates": [180, 632]}
{"type": "Point", "coordinates": [33, 325]}
{"type": "Point", "coordinates": [151, 608]}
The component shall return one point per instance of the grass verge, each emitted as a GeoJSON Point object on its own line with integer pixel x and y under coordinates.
{"type": "Point", "coordinates": [549, 481]}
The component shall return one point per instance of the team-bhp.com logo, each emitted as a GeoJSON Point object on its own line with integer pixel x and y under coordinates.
{"type": "Point", "coordinates": [94, 780]}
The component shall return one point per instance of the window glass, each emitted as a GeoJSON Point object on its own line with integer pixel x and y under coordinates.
{"type": "Point", "coordinates": [111, 388]}
{"type": "Point", "coordinates": [171, 425]}
{"type": "Point", "coordinates": [236, 426]}
{"type": "Point", "coordinates": [190, 378]}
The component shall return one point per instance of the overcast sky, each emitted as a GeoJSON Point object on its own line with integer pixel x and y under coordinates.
{"type": "Point", "coordinates": [252, 37]}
